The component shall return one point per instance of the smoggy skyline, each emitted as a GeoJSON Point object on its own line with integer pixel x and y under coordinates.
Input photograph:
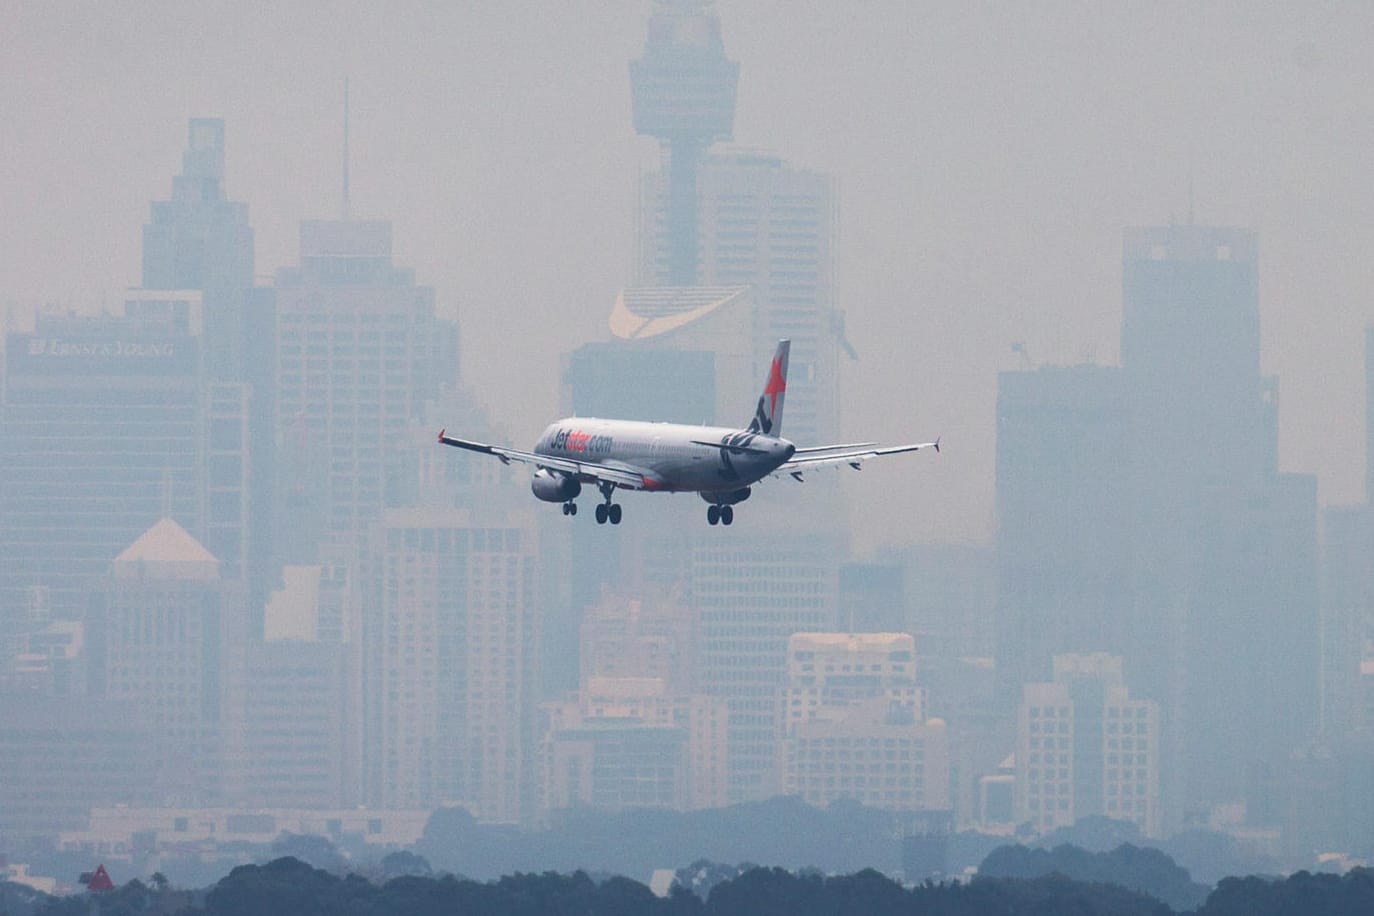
{"type": "Point", "coordinates": [987, 161]}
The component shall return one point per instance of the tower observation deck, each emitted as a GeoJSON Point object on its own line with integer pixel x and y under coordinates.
{"type": "Point", "coordinates": [683, 93]}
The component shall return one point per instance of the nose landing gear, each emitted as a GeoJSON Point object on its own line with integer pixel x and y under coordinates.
{"type": "Point", "coordinates": [570, 508]}
{"type": "Point", "coordinates": [720, 515]}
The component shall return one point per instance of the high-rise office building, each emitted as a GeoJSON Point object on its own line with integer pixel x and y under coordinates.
{"type": "Point", "coordinates": [854, 724]}
{"type": "Point", "coordinates": [1347, 623]}
{"type": "Point", "coordinates": [1224, 583]}
{"type": "Point", "coordinates": [642, 637]}
{"type": "Point", "coordinates": [1347, 604]}
{"type": "Point", "coordinates": [748, 597]}
{"type": "Point", "coordinates": [458, 639]}
{"type": "Point", "coordinates": [1086, 747]}
{"type": "Point", "coordinates": [1063, 546]}
{"type": "Point", "coordinates": [635, 733]}
{"type": "Point", "coordinates": [1142, 513]}
{"type": "Point", "coordinates": [100, 434]}
{"type": "Point", "coordinates": [164, 631]}
{"type": "Point", "coordinates": [200, 240]}
{"type": "Point", "coordinates": [359, 354]}
{"type": "Point", "coordinates": [296, 739]}
{"type": "Point", "coordinates": [633, 742]}
{"type": "Point", "coordinates": [828, 672]}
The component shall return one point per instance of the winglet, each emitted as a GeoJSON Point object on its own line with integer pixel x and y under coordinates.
{"type": "Point", "coordinates": [937, 444]}
{"type": "Point", "coordinates": [441, 433]}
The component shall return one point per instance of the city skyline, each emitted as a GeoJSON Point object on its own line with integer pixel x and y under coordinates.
{"type": "Point", "coordinates": [1120, 593]}
{"type": "Point", "coordinates": [983, 185]}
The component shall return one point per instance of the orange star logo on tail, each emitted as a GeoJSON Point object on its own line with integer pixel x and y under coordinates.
{"type": "Point", "coordinates": [776, 385]}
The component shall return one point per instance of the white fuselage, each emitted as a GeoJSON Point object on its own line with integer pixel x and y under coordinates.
{"type": "Point", "coordinates": [676, 457]}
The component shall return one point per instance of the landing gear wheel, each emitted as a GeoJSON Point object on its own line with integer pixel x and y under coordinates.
{"type": "Point", "coordinates": [613, 513]}
{"type": "Point", "coordinates": [727, 515]}
{"type": "Point", "coordinates": [572, 508]}
{"type": "Point", "coordinates": [713, 515]}
{"type": "Point", "coordinates": [601, 514]}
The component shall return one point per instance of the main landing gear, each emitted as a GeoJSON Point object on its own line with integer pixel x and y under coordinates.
{"type": "Point", "coordinates": [607, 511]}
{"type": "Point", "coordinates": [721, 505]}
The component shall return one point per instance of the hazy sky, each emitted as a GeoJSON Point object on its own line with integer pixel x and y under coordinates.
{"type": "Point", "coordinates": [987, 156]}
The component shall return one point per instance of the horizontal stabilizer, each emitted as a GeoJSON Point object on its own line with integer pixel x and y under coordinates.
{"type": "Point", "coordinates": [724, 446]}
{"type": "Point", "coordinates": [823, 456]}
{"type": "Point", "coordinates": [816, 449]}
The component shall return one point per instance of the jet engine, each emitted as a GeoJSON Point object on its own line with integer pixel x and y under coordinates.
{"type": "Point", "coordinates": [726, 499]}
{"type": "Point", "coordinates": [555, 486]}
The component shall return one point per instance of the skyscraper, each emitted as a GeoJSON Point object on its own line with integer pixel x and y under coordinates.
{"type": "Point", "coordinates": [1063, 546]}
{"type": "Point", "coordinates": [634, 742]}
{"type": "Point", "coordinates": [1348, 593]}
{"type": "Point", "coordinates": [99, 438]}
{"type": "Point", "coordinates": [854, 724]}
{"type": "Point", "coordinates": [458, 638]}
{"type": "Point", "coordinates": [164, 630]}
{"type": "Point", "coordinates": [359, 354]}
{"type": "Point", "coordinates": [1223, 588]}
{"type": "Point", "coordinates": [200, 240]}
{"type": "Point", "coordinates": [1086, 747]}
{"type": "Point", "coordinates": [749, 595]}
{"type": "Point", "coordinates": [296, 699]}
{"type": "Point", "coordinates": [1142, 514]}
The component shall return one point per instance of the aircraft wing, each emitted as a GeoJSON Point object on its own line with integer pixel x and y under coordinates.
{"type": "Point", "coordinates": [826, 456]}
{"type": "Point", "coordinates": [622, 476]}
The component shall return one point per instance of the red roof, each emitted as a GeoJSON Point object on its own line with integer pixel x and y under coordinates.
{"type": "Point", "coordinates": [100, 880]}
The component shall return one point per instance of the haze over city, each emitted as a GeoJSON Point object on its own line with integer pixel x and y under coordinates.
{"type": "Point", "coordinates": [1112, 255]}
{"type": "Point", "coordinates": [987, 159]}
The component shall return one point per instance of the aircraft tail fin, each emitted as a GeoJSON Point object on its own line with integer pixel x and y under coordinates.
{"type": "Point", "coordinates": [768, 414]}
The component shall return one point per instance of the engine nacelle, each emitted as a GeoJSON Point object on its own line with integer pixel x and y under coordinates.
{"type": "Point", "coordinates": [726, 499]}
{"type": "Point", "coordinates": [555, 486]}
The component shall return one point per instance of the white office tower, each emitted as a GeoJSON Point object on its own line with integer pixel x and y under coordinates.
{"type": "Point", "coordinates": [1085, 748]}
{"type": "Point", "coordinates": [360, 354]}
{"type": "Point", "coordinates": [635, 733]}
{"type": "Point", "coordinates": [455, 678]}
{"type": "Point", "coordinates": [632, 743]}
{"type": "Point", "coordinates": [854, 726]}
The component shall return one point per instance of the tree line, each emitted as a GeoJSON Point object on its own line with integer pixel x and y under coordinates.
{"type": "Point", "coordinates": [288, 885]}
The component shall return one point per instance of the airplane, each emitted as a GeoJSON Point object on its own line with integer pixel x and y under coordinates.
{"type": "Point", "coordinates": [719, 464]}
